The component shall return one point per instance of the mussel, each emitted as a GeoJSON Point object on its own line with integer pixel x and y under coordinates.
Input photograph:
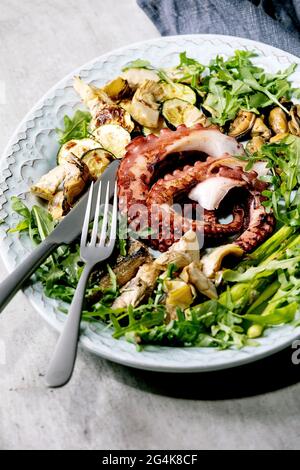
{"type": "Point", "coordinates": [294, 123]}
{"type": "Point", "coordinates": [278, 121]}
{"type": "Point", "coordinates": [255, 143]}
{"type": "Point", "coordinates": [278, 137]}
{"type": "Point", "coordinates": [260, 129]}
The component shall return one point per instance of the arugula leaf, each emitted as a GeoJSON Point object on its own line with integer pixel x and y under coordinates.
{"type": "Point", "coordinates": [19, 207]}
{"type": "Point", "coordinates": [37, 221]}
{"type": "Point", "coordinates": [190, 69]}
{"type": "Point", "coordinates": [208, 324]}
{"type": "Point", "coordinates": [261, 270]}
{"type": "Point", "coordinates": [251, 81]}
{"type": "Point", "coordinates": [236, 83]}
{"type": "Point", "coordinates": [74, 128]}
{"type": "Point", "coordinates": [220, 103]}
{"type": "Point", "coordinates": [283, 195]}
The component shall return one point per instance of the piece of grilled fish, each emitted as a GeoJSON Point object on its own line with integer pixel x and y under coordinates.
{"type": "Point", "coordinates": [182, 253]}
{"type": "Point", "coordinates": [139, 287]}
{"type": "Point", "coordinates": [124, 267]}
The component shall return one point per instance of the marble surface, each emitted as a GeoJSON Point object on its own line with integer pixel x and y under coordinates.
{"type": "Point", "coordinates": [107, 406]}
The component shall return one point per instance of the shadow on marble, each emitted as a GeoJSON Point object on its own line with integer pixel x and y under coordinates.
{"type": "Point", "coordinates": [267, 375]}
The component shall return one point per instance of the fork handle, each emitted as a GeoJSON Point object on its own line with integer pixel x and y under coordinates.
{"type": "Point", "coordinates": [62, 362]}
{"type": "Point", "coordinates": [15, 280]}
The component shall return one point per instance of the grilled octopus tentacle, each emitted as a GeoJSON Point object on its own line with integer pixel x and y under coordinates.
{"type": "Point", "coordinates": [164, 191]}
{"type": "Point", "coordinates": [142, 204]}
{"type": "Point", "coordinates": [143, 154]}
{"type": "Point", "coordinates": [162, 216]}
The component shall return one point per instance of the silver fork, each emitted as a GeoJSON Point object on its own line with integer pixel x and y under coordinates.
{"type": "Point", "coordinates": [93, 252]}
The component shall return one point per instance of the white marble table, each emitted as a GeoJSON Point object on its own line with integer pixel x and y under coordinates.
{"type": "Point", "coordinates": [107, 406]}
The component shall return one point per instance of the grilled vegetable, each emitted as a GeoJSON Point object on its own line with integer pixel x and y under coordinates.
{"type": "Point", "coordinates": [179, 293]}
{"type": "Point", "coordinates": [75, 147]}
{"type": "Point", "coordinates": [125, 104]}
{"type": "Point", "coordinates": [182, 253]}
{"type": "Point", "coordinates": [178, 112]}
{"type": "Point", "coordinates": [117, 88]}
{"type": "Point", "coordinates": [96, 161]}
{"type": "Point", "coordinates": [101, 106]}
{"type": "Point", "coordinates": [113, 138]}
{"type": "Point", "coordinates": [76, 177]}
{"type": "Point", "coordinates": [91, 96]}
{"type": "Point", "coordinates": [71, 176]}
{"type": "Point", "coordinates": [124, 268]}
{"type": "Point", "coordinates": [145, 103]}
{"type": "Point", "coordinates": [178, 90]}
{"type": "Point", "coordinates": [193, 274]}
{"type": "Point", "coordinates": [49, 183]}
{"type": "Point", "coordinates": [156, 131]}
{"type": "Point", "coordinates": [136, 76]}
{"type": "Point", "coordinates": [59, 206]}
{"type": "Point", "coordinates": [113, 114]}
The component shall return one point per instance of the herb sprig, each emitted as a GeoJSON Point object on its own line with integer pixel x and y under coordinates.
{"type": "Point", "coordinates": [236, 83]}
{"type": "Point", "coordinates": [283, 196]}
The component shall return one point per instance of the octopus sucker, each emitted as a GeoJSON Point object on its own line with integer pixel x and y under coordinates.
{"type": "Point", "coordinates": [147, 202]}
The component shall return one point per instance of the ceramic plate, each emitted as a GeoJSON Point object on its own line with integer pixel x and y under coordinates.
{"type": "Point", "coordinates": [31, 152]}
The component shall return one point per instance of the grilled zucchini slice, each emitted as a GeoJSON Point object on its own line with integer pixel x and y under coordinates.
{"type": "Point", "coordinates": [180, 91]}
{"type": "Point", "coordinates": [96, 161]}
{"type": "Point", "coordinates": [156, 130]}
{"type": "Point", "coordinates": [77, 147]}
{"type": "Point", "coordinates": [113, 138]}
{"type": "Point", "coordinates": [177, 112]}
{"type": "Point", "coordinates": [135, 77]}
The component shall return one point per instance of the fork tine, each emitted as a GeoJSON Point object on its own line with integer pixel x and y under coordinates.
{"type": "Point", "coordinates": [105, 217]}
{"type": "Point", "coordinates": [85, 227]}
{"type": "Point", "coordinates": [96, 218]}
{"type": "Point", "coordinates": [113, 230]}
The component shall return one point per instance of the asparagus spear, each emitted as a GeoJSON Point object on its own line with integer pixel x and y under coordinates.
{"type": "Point", "coordinates": [275, 248]}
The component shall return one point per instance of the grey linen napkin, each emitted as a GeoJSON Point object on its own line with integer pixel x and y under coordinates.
{"type": "Point", "coordinates": [274, 22]}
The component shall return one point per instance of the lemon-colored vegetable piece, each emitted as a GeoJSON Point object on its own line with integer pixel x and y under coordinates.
{"type": "Point", "coordinates": [178, 90]}
{"type": "Point", "coordinates": [179, 294]}
{"type": "Point", "coordinates": [116, 88]}
{"type": "Point", "coordinates": [177, 111]}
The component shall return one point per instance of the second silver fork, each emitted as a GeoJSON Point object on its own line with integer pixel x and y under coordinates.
{"type": "Point", "coordinates": [91, 252]}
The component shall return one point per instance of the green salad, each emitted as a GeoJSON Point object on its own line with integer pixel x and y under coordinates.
{"type": "Point", "coordinates": [245, 294]}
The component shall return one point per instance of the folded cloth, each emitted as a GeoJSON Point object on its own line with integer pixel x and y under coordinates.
{"type": "Point", "coordinates": [275, 22]}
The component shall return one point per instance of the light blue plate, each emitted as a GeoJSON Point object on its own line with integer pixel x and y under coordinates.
{"type": "Point", "coordinates": [32, 151]}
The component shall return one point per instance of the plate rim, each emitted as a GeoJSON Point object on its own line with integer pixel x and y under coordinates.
{"type": "Point", "coordinates": [84, 340]}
